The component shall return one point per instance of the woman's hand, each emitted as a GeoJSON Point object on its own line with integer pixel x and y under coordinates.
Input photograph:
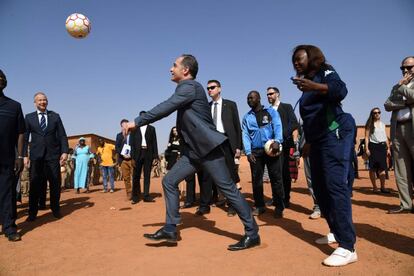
{"type": "Point", "coordinates": [306, 85]}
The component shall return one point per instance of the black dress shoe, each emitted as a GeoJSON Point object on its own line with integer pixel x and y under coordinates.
{"type": "Point", "coordinates": [13, 237]}
{"type": "Point", "coordinates": [385, 191]}
{"type": "Point", "coordinates": [57, 215]}
{"type": "Point", "coordinates": [399, 210]}
{"type": "Point", "coordinates": [187, 205]}
{"type": "Point", "coordinates": [202, 211]}
{"type": "Point", "coordinates": [31, 218]}
{"type": "Point", "coordinates": [244, 243]}
{"type": "Point", "coordinates": [134, 201]}
{"type": "Point", "coordinates": [148, 199]}
{"type": "Point", "coordinates": [161, 235]}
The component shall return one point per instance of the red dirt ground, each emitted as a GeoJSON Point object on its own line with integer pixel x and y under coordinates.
{"type": "Point", "coordinates": [102, 234]}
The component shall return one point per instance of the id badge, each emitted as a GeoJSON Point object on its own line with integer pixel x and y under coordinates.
{"type": "Point", "coordinates": [126, 151]}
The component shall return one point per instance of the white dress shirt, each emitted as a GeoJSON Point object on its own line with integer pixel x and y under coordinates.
{"type": "Point", "coordinates": [276, 105]}
{"type": "Point", "coordinates": [39, 116]}
{"type": "Point", "coordinates": [219, 126]}
{"type": "Point", "coordinates": [143, 130]}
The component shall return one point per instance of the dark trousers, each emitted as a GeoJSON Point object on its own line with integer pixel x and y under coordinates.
{"type": "Point", "coordinates": [287, 180]}
{"type": "Point", "coordinates": [190, 195]}
{"type": "Point", "coordinates": [274, 168]}
{"type": "Point", "coordinates": [208, 188]}
{"type": "Point", "coordinates": [143, 162]}
{"type": "Point", "coordinates": [8, 199]}
{"type": "Point", "coordinates": [330, 160]}
{"type": "Point", "coordinates": [40, 172]}
{"type": "Point", "coordinates": [43, 192]}
{"type": "Point", "coordinates": [215, 165]}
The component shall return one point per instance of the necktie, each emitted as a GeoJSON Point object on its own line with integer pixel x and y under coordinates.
{"type": "Point", "coordinates": [43, 122]}
{"type": "Point", "coordinates": [215, 114]}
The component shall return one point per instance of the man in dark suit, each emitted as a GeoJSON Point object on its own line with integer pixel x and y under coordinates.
{"type": "Point", "coordinates": [124, 159]}
{"type": "Point", "coordinates": [226, 119]}
{"type": "Point", "coordinates": [11, 137]}
{"type": "Point", "coordinates": [203, 148]}
{"type": "Point", "coordinates": [290, 127]}
{"type": "Point", "coordinates": [48, 151]}
{"type": "Point", "coordinates": [144, 152]}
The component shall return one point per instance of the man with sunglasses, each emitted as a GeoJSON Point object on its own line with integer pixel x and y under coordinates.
{"type": "Point", "coordinates": [290, 127]}
{"type": "Point", "coordinates": [401, 103]}
{"type": "Point", "coordinates": [226, 119]}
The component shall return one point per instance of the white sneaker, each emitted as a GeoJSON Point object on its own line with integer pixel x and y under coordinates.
{"type": "Point", "coordinates": [340, 257]}
{"type": "Point", "coordinates": [328, 239]}
{"type": "Point", "coordinates": [315, 215]}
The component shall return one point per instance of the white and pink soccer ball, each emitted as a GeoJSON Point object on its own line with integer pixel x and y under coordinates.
{"type": "Point", "coordinates": [78, 25]}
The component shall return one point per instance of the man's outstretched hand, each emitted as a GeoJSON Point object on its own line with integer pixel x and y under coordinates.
{"type": "Point", "coordinates": [127, 126]}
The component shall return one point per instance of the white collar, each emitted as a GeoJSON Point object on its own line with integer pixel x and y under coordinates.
{"type": "Point", "coordinates": [219, 101]}
{"type": "Point", "coordinates": [40, 112]}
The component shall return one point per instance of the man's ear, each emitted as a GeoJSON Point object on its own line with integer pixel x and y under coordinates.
{"type": "Point", "coordinates": [186, 71]}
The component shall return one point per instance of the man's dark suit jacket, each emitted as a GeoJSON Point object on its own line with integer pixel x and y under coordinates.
{"type": "Point", "coordinates": [231, 124]}
{"type": "Point", "coordinates": [150, 138]}
{"type": "Point", "coordinates": [289, 122]}
{"type": "Point", "coordinates": [49, 145]}
{"type": "Point", "coordinates": [119, 143]}
{"type": "Point", "coordinates": [194, 121]}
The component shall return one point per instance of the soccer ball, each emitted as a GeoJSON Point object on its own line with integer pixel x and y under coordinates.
{"type": "Point", "coordinates": [78, 25]}
{"type": "Point", "coordinates": [268, 148]}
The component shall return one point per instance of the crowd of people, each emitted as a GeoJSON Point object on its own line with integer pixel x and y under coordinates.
{"type": "Point", "coordinates": [208, 141]}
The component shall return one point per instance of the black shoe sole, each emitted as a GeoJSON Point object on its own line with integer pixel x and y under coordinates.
{"type": "Point", "coordinates": [161, 240]}
{"type": "Point", "coordinates": [238, 248]}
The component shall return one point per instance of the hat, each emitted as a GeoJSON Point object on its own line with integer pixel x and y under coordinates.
{"type": "Point", "coordinates": [82, 138]}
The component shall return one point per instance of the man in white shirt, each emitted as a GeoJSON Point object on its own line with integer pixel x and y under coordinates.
{"type": "Point", "coordinates": [144, 153]}
{"type": "Point", "coordinates": [226, 119]}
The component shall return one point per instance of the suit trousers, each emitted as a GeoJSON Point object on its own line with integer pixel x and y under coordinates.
{"type": "Point", "coordinates": [287, 180]}
{"type": "Point", "coordinates": [143, 163]}
{"type": "Point", "coordinates": [403, 150]}
{"type": "Point", "coordinates": [214, 164]}
{"type": "Point", "coordinates": [8, 199]}
{"type": "Point", "coordinates": [40, 172]}
{"type": "Point", "coordinates": [190, 196]}
{"type": "Point", "coordinates": [43, 192]}
{"type": "Point", "coordinates": [208, 189]}
{"type": "Point", "coordinates": [274, 167]}
{"type": "Point", "coordinates": [127, 168]}
{"type": "Point", "coordinates": [330, 160]}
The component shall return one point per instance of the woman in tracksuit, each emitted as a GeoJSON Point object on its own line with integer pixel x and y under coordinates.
{"type": "Point", "coordinates": [330, 132]}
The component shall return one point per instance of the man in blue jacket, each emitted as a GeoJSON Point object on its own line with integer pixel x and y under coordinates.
{"type": "Point", "coordinates": [203, 148]}
{"type": "Point", "coordinates": [259, 126]}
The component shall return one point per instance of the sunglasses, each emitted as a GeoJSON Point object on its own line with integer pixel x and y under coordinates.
{"type": "Point", "coordinates": [211, 87]}
{"type": "Point", "coordinates": [406, 67]}
{"type": "Point", "coordinates": [377, 112]}
{"type": "Point", "coordinates": [270, 93]}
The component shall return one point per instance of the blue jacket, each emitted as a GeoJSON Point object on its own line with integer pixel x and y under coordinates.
{"type": "Point", "coordinates": [255, 137]}
{"type": "Point", "coordinates": [323, 113]}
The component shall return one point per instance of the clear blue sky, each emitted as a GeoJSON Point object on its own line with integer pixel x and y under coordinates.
{"type": "Point", "coordinates": [122, 67]}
